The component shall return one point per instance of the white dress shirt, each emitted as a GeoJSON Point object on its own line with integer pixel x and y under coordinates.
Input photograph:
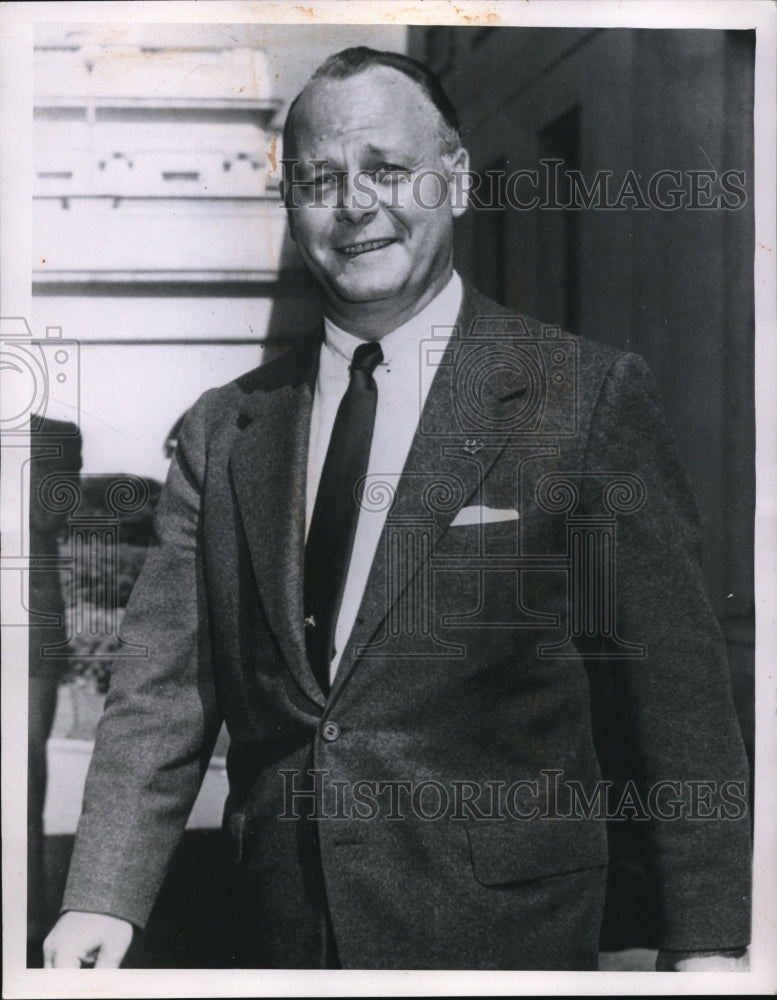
{"type": "Point", "coordinates": [401, 395]}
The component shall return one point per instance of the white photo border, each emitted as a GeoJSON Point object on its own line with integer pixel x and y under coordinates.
{"type": "Point", "coordinates": [16, 46]}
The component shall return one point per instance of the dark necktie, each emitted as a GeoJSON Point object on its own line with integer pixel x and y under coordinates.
{"type": "Point", "coordinates": [336, 510]}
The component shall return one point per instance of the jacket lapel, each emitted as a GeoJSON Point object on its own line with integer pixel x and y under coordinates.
{"type": "Point", "coordinates": [444, 472]}
{"type": "Point", "coordinates": [268, 465]}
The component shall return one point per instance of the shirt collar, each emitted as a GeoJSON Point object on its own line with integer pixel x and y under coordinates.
{"type": "Point", "coordinates": [443, 310]}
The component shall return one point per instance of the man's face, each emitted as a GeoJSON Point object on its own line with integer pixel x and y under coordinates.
{"type": "Point", "coordinates": [373, 214]}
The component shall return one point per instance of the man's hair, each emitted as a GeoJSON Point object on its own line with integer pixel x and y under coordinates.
{"type": "Point", "coordinates": [351, 62]}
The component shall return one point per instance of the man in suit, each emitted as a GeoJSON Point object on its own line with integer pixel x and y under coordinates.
{"type": "Point", "coordinates": [400, 561]}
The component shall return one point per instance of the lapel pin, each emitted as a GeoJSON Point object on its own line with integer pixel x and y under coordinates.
{"type": "Point", "coordinates": [472, 446]}
{"type": "Point", "coordinates": [310, 621]}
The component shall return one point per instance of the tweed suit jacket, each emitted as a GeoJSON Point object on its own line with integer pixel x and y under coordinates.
{"type": "Point", "coordinates": [431, 806]}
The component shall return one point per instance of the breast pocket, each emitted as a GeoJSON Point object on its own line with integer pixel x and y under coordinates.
{"type": "Point", "coordinates": [492, 538]}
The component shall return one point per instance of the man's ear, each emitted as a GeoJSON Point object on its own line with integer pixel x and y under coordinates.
{"type": "Point", "coordinates": [289, 213]}
{"type": "Point", "coordinates": [460, 180]}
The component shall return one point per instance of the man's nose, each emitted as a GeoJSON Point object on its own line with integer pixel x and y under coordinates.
{"type": "Point", "coordinates": [356, 197]}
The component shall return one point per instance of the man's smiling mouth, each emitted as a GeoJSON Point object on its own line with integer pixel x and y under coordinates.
{"type": "Point", "coordinates": [353, 249]}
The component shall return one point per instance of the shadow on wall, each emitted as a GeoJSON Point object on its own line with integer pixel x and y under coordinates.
{"type": "Point", "coordinates": [296, 308]}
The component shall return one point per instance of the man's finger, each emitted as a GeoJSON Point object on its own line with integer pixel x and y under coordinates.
{"type": "Point", "coordinates": [106, 958]}
{"type": "Point", "coordinates": [59, 956]}
{"type": "Point", "coordinates": [48, 955]}
{"type": "Point", "coordinates": [112, 950]}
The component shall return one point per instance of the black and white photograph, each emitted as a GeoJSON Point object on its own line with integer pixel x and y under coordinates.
{"type": "Point", "coordinates": [388, 448]}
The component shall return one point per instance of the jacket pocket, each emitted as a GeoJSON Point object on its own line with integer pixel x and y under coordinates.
{"type": "Point", "coordinates": [519, 851]}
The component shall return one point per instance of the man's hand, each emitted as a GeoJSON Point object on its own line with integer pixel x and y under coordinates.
{"type": "Point", "coordinates": [86, 940]}
{"type": "Point", "coordinates": [703, 961]}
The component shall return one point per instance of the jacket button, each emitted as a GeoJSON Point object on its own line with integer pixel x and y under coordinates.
{"type": "Point", "coordinates": [330, 731]}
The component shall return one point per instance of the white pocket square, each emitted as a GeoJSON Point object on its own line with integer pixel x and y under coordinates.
{"type": "Point", "coordinates": [484, 515]}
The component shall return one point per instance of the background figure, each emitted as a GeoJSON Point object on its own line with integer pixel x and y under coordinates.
{"type": "Point", "coordinates": [55, 449]}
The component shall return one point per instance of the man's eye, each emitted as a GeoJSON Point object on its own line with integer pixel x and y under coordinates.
{"type": "Point", "coordinates": [390, 172]}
